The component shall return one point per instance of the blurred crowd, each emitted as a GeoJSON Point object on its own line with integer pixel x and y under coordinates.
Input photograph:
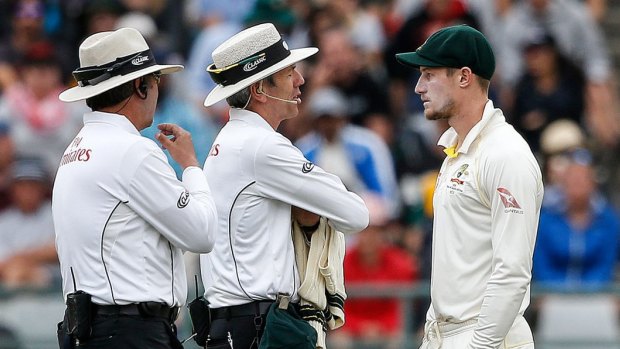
{"type": "Point", "coordinates": [359, 119]}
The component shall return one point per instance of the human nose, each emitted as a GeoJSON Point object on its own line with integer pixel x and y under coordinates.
{"type": "Point", "coordinates": [419, 87]}
{"type": "Point", "coordinates": [299, 79]}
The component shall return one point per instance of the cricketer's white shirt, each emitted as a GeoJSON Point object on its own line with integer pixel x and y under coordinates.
{"type": "Point", "coordinates": [123, 220]}
{"type": "Point", "coordinates": [256, 175]}
{"type": "Point", "coordinates": [486, 207]}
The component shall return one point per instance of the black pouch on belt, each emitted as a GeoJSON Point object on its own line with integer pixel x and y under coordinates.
{"type": "Point", "coordinates": [201, 319]}
{"type": "Point", "coordinates": [79, 315]}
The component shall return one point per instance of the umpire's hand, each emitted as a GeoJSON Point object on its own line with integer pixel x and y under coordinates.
{"type": "Point", "coordinates": [179, 143]}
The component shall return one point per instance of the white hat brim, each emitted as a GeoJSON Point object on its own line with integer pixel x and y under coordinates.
{"type": "Point", "coordinates": [78, 92]}
{"type": "Point", "coordinates": [220, 92]}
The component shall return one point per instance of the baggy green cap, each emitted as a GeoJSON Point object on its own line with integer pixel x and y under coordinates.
{"type": "Point", "coordinates": [454, 47]}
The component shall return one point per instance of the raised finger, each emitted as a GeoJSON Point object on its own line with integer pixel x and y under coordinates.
{"type": "Point", "coordinates": [165, 141]}
{"type": "Point", "coordinates": [168, 128]}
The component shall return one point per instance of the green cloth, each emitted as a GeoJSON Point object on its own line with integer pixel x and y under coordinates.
{"type": "Point", "coordinates": [454, 47]}
{"type": "Point", "coordinates": [285, 329]}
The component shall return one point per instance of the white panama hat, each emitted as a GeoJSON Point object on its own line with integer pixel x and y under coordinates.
{"type": "Point", "coordinates": [249, 56]}
{"type": "Point", "coordinates": [110, 59]}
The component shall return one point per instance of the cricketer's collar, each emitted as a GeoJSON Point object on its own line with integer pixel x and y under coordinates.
{"type": "Point", "coordinates": [448, 139]}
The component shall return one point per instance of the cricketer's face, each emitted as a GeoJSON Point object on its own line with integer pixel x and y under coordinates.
{"type": "Point", "coordinates": [435, 87]}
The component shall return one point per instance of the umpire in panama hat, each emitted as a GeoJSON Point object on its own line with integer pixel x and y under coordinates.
{"type": "Point", "coordinates": [122, 219]}
{"type": "Point", "coordinates": [259, 179]}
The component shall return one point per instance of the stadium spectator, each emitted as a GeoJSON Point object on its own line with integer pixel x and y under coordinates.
{"type": "Point", "coordinates": [578, 237]}
{"type": "Point", "coordinates": [214, 22]}
{"type": "Point", "coordinates": [557, 141]}
{"type": "Point", "coordinates": [27, 252]}
{"type": "Point", "coordinates": [364, 28]}
{"type": "Point", "coordinates": [491, 14]}
{"type": "Point", "coordinates": [578, 38]}
{"type": "Point", "coordinates": [358, 156]}
{"type": "Point", "coordinates": [338, 64]}
{"type": "Point", "coordinates": [101, 15]}
{"type": "Point", "coordinates": [26, 30]}
{"type": "Point", "coordinates": [551, 88]}
{"type": "Point", "coordinates": [40, 124]}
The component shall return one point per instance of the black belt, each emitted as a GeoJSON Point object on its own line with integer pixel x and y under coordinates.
{"type": "Point", "coordinates": [143, 309]}
{"type": "Point", "coordinates": [249, 309]}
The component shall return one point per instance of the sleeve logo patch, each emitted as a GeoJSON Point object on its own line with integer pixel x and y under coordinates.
{"type": "Point", "coordinates": [508, 200]}
{"type": "Point", "coordinates": [183, 199]}
{"type": "Point", "coordinates": [307, 167]}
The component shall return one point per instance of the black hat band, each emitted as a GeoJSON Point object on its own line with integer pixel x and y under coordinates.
{"type": "Point", "coordinates": [90, 76]}
{"type": "Point", "coordinates": [250, 66]}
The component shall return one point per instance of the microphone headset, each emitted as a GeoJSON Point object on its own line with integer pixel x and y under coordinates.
{"type": "Point", "coordinates": [259, 90]}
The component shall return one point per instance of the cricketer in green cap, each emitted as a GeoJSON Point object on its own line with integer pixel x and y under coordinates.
{"type": "Point", "coordinates": [487, 200]}
{"type": "Point", "coordinates": [454, 47]}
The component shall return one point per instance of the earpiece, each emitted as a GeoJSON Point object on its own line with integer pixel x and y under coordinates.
{"type": "Point", "coordinates": [142, 88]}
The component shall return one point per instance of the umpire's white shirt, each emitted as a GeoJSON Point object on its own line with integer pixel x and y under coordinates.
{"type": "Point", "coordinates": [256, 174]}
{"type": "Point", "coordinates": [122, 218]}
{"type": "Point", "coordinates": [486, 207]}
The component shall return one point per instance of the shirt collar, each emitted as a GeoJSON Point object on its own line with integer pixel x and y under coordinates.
{"type": "Point", "coordinates": [448, 139]}
{"type": "Point", "coordinates": [250, 117]}
{"type": "Point", "coordinates": [112, 119]}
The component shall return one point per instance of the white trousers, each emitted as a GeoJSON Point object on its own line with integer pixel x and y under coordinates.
{"type": "Point", "coordinates": [458, 336]}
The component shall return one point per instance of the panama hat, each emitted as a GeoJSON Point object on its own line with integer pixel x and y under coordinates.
{"type": "Point", "coordinates": [110, 59]}
{"type": "Point", "coordinates": [249, 56]}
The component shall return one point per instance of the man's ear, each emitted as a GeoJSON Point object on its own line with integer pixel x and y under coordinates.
{"type": "Point", "coordinates": [257, 93]}
{"type": "Point", "coordinates": [140, 87]}
{"type": "Point", "coordinates": [465, 77]}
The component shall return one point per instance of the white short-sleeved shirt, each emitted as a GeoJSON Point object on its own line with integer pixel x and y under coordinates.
{"type": "Point", "coordinates": [123, 220]}
{"type": "Point", "coordinates": [486, 207]}
{"type": "Point", "coordinates": [257, 175]}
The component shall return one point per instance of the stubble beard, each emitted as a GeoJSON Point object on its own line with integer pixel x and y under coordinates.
{"type": "Point", "coordinates": [445, 113]}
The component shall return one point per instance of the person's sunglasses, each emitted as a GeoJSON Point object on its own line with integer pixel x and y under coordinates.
{"type": "Point", "coordinates": [157, 77]}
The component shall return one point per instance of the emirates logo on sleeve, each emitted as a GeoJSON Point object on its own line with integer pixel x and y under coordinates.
{"type": "Point", "coordinates": [508, 200]}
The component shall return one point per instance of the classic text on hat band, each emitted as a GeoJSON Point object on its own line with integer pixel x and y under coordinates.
{"type": "Point", "coordinates": [258, 62]}
{"type": "Point", "coordinates": [123, 65]}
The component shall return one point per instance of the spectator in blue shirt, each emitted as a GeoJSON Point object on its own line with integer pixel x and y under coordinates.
{"type": "Point", "coordinates": [357, 155]}
{"type": "Point", "coordinates": [578, 236]}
